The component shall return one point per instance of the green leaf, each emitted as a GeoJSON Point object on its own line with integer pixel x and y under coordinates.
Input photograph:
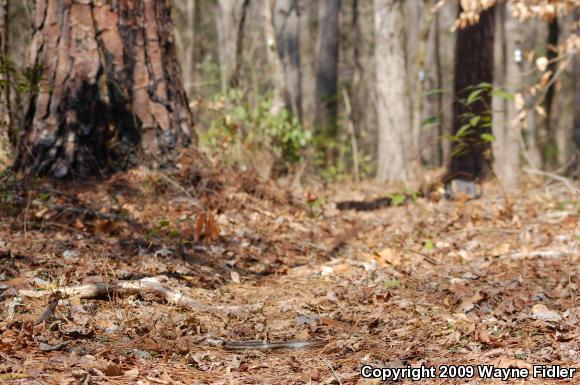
{"type": "Point", "coordinates": [473, 121]}
{"type": "Point", "coordinates": [397, 199]}
{"type": "Point", "coordinates": [484, 85]}
{"type": "Point", "coordinates": [488, 137]}
{"type": "Point", "coordinates": [464, 130]}
{"type": "Point", "coordinates": [429, 245]}
{"type": "Point", "coordinates": [430, 121]}
{"type": "Point", "coordinates": [502, 94]}
{"type": "Point", "coordinates": [163, 223]}
{"type": "Point", "coordinates": [392, 283]}
{"type": "Point", "coordinates": [473, 96]}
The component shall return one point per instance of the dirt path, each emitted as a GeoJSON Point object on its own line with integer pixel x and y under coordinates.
{"type": "Point", "coordinates": [429, 283]}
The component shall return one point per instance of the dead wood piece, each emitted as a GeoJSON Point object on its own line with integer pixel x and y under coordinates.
{"type": "Point", "coordinates": [538, 253]}
{"type": "Point", "coordinates": [565, 181]}
{"type": "Point", "coordinates": [375, 204]}
{"type": "Point", "coordinates": [106, 290]}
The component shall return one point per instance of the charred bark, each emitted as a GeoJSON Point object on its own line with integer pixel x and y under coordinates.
{"type": "Point", "coordinates": [474, 60]}
{"type": "Point", "coordinates": [110, 88]}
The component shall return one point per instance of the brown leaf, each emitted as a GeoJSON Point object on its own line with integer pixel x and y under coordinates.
{"type": "Point", "coordinates": [199, 227]}
{"type": "Point", "coordinates": [112, 370]}
{"type": "Point", "coordinates": [213, 229]}
{"type": "Point", "coordinates": [104, 226]}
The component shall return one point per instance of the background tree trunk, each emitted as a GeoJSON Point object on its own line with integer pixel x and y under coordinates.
{"type": "Point", "coordinates": [576, 91]}
{"type": "Point", "coordinates": [508, 77]}
{"type": "Point", "coordinates": [287, 25]}
{"type": "Point", "coordinates": [231, 18]}
{"type": "Point", "coordinates": [447, 42]}
{"type": "Point", "coordinates": [5, 118]}
{"type": "Point", "coordinates": [189, 62]}
{"type": "Point", "coordinates": [395, 158]}
{"type": "Point", "coordinates": [327, 68]}
{"type": "Point", "coordinates": [276, 71]}
{"type": "Point", "coordinates": [110, 83]}
{"type": "Point", "coordinates": [474, 62]}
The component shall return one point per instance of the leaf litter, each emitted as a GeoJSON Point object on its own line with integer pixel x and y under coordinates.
{"type": "Point", "coordinates": [178, 272]}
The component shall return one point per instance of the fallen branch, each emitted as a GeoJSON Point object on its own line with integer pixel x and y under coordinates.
{"type": "Point", "coordinates": [106, 290]}
{"type": "Point", "coordinates": [565, 181]}
{"type": "Point", "coordinates": [537, 253]}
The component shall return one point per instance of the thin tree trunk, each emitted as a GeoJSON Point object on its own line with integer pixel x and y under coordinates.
{"type": "Point", "coordinates": [474, 62]}
{"type": "Point", "coordinates": [428, 72]}
{"type": "Point", "coordinates": [327, 68]}
{"type": "Point", "coordinates": [506, 127]}
{"type": "Point", "coordinates": [447, 41]}
{"type": "Point", "coordinates": [5, 110]}
{"type": "Point", "coordinates": [110, 85]}
{"type": "Point", "coordinates": [576, 105]}
{"type": "Point", "coordinates": [231, 18]}
{"type": "Point", "coordinates": [276, 72]}
{"type": "Point", "coordinates": [189, 72]}
{"type": "Point", "coordinates": [576, 134]}
{"type": "Point", "coordinates": [287, 25]}
{"type": "Point", "coordinates": [549, 147]}
{"type": "Point", "coordinates": [395, 158]}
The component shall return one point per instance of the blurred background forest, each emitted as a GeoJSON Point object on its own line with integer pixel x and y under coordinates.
{"type": "Point", "coordinates": [357, 88]}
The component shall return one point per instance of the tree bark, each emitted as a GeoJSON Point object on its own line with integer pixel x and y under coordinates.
{"type": "Point", "coordinates": [508, 77]}
{"type": "Point", "coordinates": [327, 68]}
{"type": "Point", "coordinates": [287, 25]}
{"type": "Point", "coordinates": [474, 60]}
{"type": "Point", "coordinates": [395, 157]}
{"type": "Point", "coordinates": [110, 86]}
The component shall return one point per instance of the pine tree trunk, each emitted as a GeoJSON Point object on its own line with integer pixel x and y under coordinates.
{"type": "Point", "coordinates": [395, 155]}
{"type": "Point", "coordinates": [110, 88]}
{"type": "Point", "coordinates": [474, 60]}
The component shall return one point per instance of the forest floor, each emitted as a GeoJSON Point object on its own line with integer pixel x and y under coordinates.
{"type": "Point", "coordinates": [179, 263]}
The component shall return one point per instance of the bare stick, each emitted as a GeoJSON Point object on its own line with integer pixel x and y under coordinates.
{"type": "Point", "coordinates": [565, 181]}
{"type": "Point", "coordinates": [104, 290]}
{"type": "Point", "coordinates": [538, 253]}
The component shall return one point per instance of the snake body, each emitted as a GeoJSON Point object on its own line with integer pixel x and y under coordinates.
{"type": "Point", "coordinates": [264, 345]}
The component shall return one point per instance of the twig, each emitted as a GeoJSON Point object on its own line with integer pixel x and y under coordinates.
{"type": "Point", "coordinates": [336, 377]}
{"type": "Point", "coordinates": [48, 313]}
{"type": "Point", "coordinates": [565, 181]}
{"type": "Point", "coordinates": [104, 290]}
{"type": "Point", "coordinates": [179, 188]}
